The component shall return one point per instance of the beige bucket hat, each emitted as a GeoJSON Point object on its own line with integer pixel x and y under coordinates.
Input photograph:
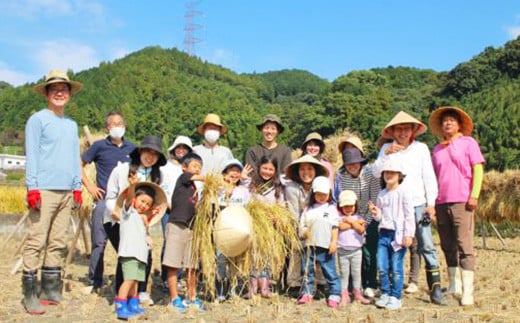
{"type": "Point", "coordinates": [354, 141]}
{"type": "Point", "coordinates": [316, 137]}
{"type": "Point", "coordinates": [57, 76]}
{"type": "Point", "coordinates": [213, 119]}
{"type": "Point", "coordinates": [160, 200]}
{"type": "Point", "coordinates": [435, 121]}
{"type": "Point", "coordinates": [291, 171]}
{"type": "Point", "coordinates": [233, 231]}
{"type": "Point", "coordinates": [403, 117]}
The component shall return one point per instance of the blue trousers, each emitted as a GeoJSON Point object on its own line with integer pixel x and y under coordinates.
{"type": "Point", "coordinates": [390, 265]}
{"type": "Point", "coordinates": [327, 262]}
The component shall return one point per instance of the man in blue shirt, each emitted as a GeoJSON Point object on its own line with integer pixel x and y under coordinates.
{"type": "Point", "coordinates": [106, 154]}
{"type": "Point", "coordinates": [53, 179]}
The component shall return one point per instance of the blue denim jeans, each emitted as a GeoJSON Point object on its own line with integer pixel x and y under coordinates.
{"type": "Point", "coordinates": [313, 255]}
{"type": "Point", "coordinates": [425, 246]}
{"type": "Point", "coordinates": [390, 265]}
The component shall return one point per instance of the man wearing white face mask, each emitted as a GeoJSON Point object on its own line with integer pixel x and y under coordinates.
{"type": "Point", "coordinates": [213, 155]}
{"type": "Point", "coordinates": [106, 153]}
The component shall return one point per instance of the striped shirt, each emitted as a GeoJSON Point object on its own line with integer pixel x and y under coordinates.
{"type": "Point", "coordinates": [366, 187]}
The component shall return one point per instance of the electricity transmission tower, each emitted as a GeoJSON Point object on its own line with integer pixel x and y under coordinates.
{"type": "Point", "coordinates": [190, 28]}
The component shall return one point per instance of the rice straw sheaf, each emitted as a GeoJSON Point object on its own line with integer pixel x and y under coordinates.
{"type": "Point", "coordinates": [90, 171]}
{"type": "Point", "coordinates": [500, 197]}
{"type": "Point", "coordinates": [203, 251]}
{"type": "Point", "coordinates": [274, 237]}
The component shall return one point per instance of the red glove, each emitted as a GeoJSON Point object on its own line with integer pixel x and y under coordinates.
{"type": "Point", "coordinates": [34, 199]}
{"type": "Point", "coordinates": [78, 199]}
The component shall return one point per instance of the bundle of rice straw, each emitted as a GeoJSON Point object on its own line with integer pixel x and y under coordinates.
{"type": "Point", "coordinates": [203, 251]}
{"type": "Point", "coordinates": [275, 235]}
{"type": "Point", "coordinates": [90, 171]}
{"type": "Point", "coordinates": [500, 197]}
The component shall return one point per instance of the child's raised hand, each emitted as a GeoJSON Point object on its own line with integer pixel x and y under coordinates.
{"type": "Point", "coordinates": [372, 208]}
{"type": "Point", "coordinates": [246, 171]}
{"type": "Point", "coordinates": [133, 179]}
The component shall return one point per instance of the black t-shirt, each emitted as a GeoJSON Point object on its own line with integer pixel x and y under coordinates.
{"type": "Point", "coordinates": [183, 201]}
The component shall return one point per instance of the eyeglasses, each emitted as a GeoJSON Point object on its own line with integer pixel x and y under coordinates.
{"type": "Point", "coordinates": [60, 89]}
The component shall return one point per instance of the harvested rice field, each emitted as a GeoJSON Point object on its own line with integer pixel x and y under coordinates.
{"type": "Point", "coordinates": [497, 296]}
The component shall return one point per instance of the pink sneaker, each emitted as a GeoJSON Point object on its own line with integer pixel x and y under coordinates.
{"type": "Point", "coordinates": [332, 303]}
{"type": "Point", "coordinates": [345, 297]}
{"type": "Point", "coordinates": [305, 299]}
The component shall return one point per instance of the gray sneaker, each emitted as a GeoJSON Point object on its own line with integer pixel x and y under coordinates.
{"type": "Point", "coordinates": [383, 301]}
{"type": "Point", "coordinates": [393, 303]}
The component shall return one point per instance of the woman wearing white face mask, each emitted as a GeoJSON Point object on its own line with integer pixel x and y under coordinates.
{"type": "Point", "coordinates": [213, 155]}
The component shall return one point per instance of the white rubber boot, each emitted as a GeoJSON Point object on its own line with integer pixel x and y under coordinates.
{"type": "Point", "coordinates": [455, 286]}
{"type": "Point", "coordinates": [467, 287]}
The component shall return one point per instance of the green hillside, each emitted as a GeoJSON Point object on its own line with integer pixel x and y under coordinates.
{"type": "Point", "coordinates": [166, 92]}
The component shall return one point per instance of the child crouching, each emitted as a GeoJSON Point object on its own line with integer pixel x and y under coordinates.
{"type": "Point", "coordinates": [140, 203]}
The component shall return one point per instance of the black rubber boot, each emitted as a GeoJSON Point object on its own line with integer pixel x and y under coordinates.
{"type": "Point", "coordinates": [51, 286]}
{"type": "Point", "coordinates": [30, 299]}
{"type": "Point", "coordinates": [433, 276]}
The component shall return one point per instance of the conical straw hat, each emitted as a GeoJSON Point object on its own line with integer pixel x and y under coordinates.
{"type": "Point", "coordinates": [233, 231]}
{"type": "Point", "coordinates": [403, 117]}
{"type": "Point", "coordinates": [435, 121]}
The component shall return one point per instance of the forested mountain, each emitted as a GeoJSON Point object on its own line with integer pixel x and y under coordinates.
{"type": "Point", "coordinates": [166, 92]}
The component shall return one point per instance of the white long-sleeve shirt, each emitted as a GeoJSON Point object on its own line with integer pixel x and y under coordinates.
{"type": "Point", "coordinates": [417, 165]}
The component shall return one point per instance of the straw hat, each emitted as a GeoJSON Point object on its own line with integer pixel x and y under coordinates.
{"type": "Point", "coordinates": [271, 118]}
{"type": "Point", "coordinates": [181, 140]}
{"type": "Point", "coordinates": [150, 142]}
{"type": "Point", "coordinates": [233, 231]}
{"type": "Point", "coordinates": [436, 119]}
{"type": "Point", "coordinates": [291, 171]}
{"type": "Point", "coordinates": [347, 197]}
{"type": "Point", "coordinates": [213, 119]}
{"type": "Point", "coordinates": [354, 141]}
{"type": "Point", "coordinates": [399, 118]}
{"type": "Point", "coordinates": [57, 76]}
{"type": "Point", "coordinates": [160, 200]}
{"type": "Point", "coordinates": [316, 137]}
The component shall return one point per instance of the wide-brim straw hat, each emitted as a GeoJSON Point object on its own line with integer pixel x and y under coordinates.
{"type": "Point", "coordinates": [233, 231]}
{"type": "Point", "coordinates": [181, 140]}
{"type": "Point", "coordinates": [57, 76]}
{"type": "Point", "coordinates": [160, 200]}
{"type": "Point", "coordinates": [291, 171]}
{"type": "Point", "coordinates": [271, 118]}
{"type": "Point", "coordinates": [213, 119]}
{"type": "Point", "coordinates": [317, 138]}
{"type": "Point", "coordinates": [150, 142]}
{"type": "Point", "coordinates": [354, 141]}
{"type": "Point", "coordinates": [435, 121]}
{"type": "Point", "coordinates": [400, 118]}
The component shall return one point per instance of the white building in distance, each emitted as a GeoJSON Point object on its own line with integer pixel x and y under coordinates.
{"type": "Point", "coordinates": [10, 162]}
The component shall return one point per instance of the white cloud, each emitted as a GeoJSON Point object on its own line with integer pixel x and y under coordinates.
{"type": "Point", "coordinates": [116, 53]}
{"type": "Point", "coordinates": [225, 58]}
{"type": "Point", "coordinates": [51, 8]}
{"type": "Point", "coordinates": [13, 77]}
{"type": "Point", "coordinates": [513, 31]}
{"type": "Point", "coordinates": [65, 54]}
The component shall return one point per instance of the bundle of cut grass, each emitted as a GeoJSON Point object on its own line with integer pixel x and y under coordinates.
{"type": "Point", "coordinates": [203, 251]}
{"type": "Point", "coordinates": [500, 197]}
{"type": "Point", "coordinates": [90, 171]}
{"type": "Point", "coordinates": [13, 200]}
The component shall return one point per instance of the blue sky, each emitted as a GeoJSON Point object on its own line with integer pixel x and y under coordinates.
{"type": "Point", "coordinates": [327, 38]}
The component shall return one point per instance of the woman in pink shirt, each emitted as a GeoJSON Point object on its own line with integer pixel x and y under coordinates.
{"type": "Point", "coordinates": [458, 164]}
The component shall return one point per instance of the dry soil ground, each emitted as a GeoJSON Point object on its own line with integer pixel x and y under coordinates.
{"type": "Point", "coordinates": [497, 297]}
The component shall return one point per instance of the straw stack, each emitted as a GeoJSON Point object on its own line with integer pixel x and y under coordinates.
{"type": "Point", "coordinates": [500, 197]}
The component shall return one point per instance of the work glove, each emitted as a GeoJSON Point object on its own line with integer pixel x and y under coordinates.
{"type": "Point", "coordinates": [34, 199]}
{"type": "Point", "coordinates": [78, 199]}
